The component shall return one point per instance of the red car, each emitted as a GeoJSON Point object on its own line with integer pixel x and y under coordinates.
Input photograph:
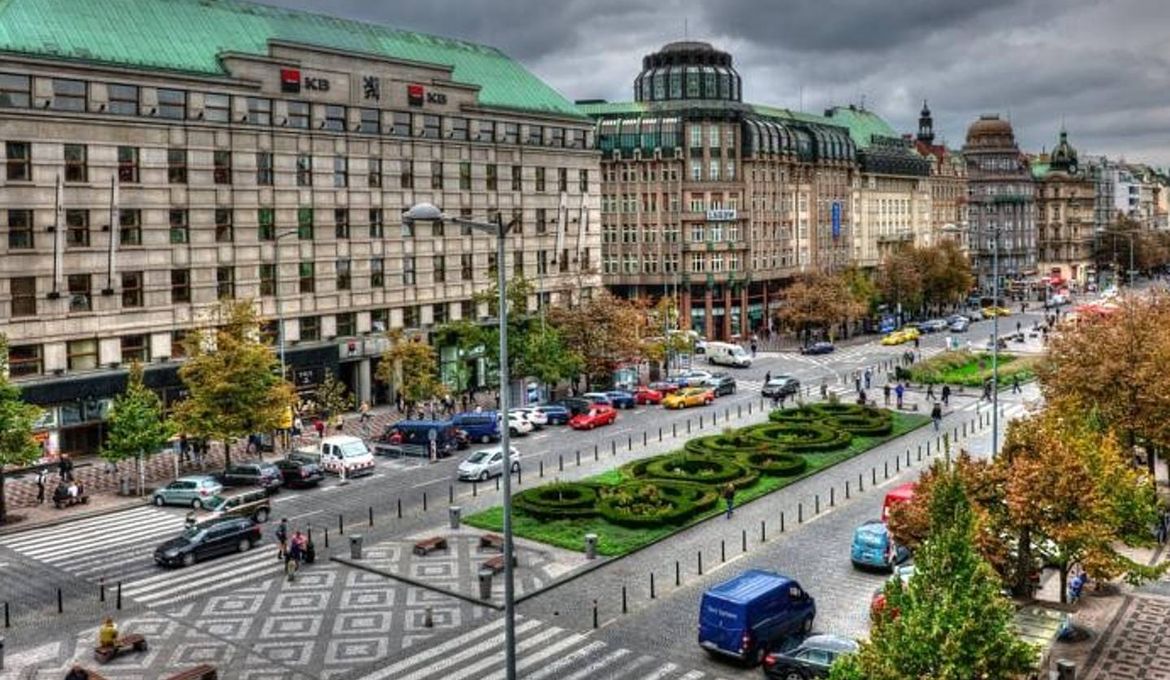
{"type": "Point", "coordinates": [662, 387]}
{"type": "Point", "coordinates": [597, 415]}
{"type": "Point", "coordinates": [645, 395]}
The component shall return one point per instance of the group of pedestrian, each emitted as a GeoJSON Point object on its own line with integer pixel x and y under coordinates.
{"type": "Point", "coordinates": [295, 549]}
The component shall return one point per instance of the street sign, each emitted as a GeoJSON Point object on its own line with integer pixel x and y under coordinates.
{"type": "Point", "coordinates": [836, 213]}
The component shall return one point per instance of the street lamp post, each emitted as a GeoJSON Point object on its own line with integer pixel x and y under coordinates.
{"type": "Point", "coordinates": [426, 212]}
{"type": "Point", "coordinates": [280, 302]}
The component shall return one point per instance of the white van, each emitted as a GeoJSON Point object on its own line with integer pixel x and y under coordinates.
{"type": "Point", "coordinates": [342, 451]}
{"type": "Point", "coordinates": [728, 354]}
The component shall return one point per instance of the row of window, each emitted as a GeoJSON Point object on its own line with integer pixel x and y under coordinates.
{"type": "Point", "coordinates": [173, 104]}
{"type": "Point", "coordinates": [19, 169]}
{"type": "Point", "coordinates": [648, 203]}
{"type": "Point", "coordinates": [713, 232]}
{"type": "Point", "coordinates": [79, 287]}
{"type": "Point", "coordinates": [634, 263]}
{"type": "Point", "coordinates": [79, 229]}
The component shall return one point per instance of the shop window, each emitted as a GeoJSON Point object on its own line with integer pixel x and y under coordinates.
{"type": "Point", "coordinates": [24, 360]}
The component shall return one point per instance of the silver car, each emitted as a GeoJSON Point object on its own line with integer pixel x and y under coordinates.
{"type": "Point", "coordinates": [196, 491]}
{"type": "Point", "coordinates": [487, 463]}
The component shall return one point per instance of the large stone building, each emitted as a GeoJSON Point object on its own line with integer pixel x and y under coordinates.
{"type": "Point", "coordinates": [947, 184]}
{"type": "Point", "coordinates": [1000, 205]}
{"type": "Point", "coordinates": [1066, 203]}
{"type": "Point", "coordinates": [162, 156]}
{"type": "Point", "coordinates": [720, 203]}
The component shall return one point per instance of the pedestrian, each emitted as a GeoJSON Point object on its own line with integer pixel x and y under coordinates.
{"type": "Point", "coordinates": [295, 553]}
{"type": "Point", "coordinates": [282, 538]}
{"type": "Point", "coordinates": [930, 391]}
{"type": "Point", "coordinates": [936, 415]}
{"type": "Point", "coordinates": [400, 402]}
{"type": "Point", "coordinates": [946, 395]}
{"type": "Point", "coordinates": [916, 342]}
{"type": "Point", "coordinates": [886, 393]}
{"type": "Point", "coordinates": [319, 426]}
{"type": "Point", "coordinates": [41, 475]}
{"type": "Point", "coordinates": [729, 496]}
{"type": "Point", "coordinates": [824, 388]}
{"type": "Point", "coordinates": [856, 381]}
{"type": "Point", "coordinates": [986, 390]}
{"type": "Point", "coordinates": [861, 398]}
{"type": "Point", "coordinates": [1016, 384]}
{"type": "Point", "coordinates": [899, 392]}
{"type": "Point", "coordinates": [754, 347]}
{"type": "Point", "coordinates": [108, 634]}
{"type": "Point", "coordinates": [1019, 327]}
{"type": "Point", "coordinates": [767, 377]}
{"type": "Point", "coordinates": [365, 412]}
{"type": "Point", "coordinates": [868, 377]}
{"type": "Point", "coordinates": [65, 467]}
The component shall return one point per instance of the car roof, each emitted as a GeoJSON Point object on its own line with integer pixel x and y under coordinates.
{"type": "Point", "coordinates": [873, 526]}
{"type": "Point", "coordinates": [749, 585]}
{"type": "Point", "coordinates": [829, 642]}
{"type": "Point", "coordinates": [196, 478]}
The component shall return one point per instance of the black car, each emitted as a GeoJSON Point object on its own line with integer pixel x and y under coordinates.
{"type": "Point", "coordinates": [299, 473]}
{"type": "Point", "coordinates": [818, 348]}
{"type": "Point", "coordinates": [253, 473]}
{"type": "Point", "coordinates": [809, 659]}
{"type": "Point", "coordinates": [209, 539]}
{"type": "Point", "coordinates": [720, 384]}
{"type": "Point", "coordinates": [781, 386]}
{"type": "Point", "coordinates": [575, 405]}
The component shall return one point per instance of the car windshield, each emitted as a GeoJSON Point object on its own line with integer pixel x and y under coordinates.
{"type": "Point", "coordinates": [352, 449]}
{"type": "Point", "coordinates": [479, 456]}
{"type": "Point", "coordinates": [194, 534]}
{"type": "Point", "coordinates": [871, 538]}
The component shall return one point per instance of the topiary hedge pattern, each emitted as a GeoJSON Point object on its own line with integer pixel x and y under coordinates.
{"type": "Point", "coordinates": [562, 500]}
{"type": "Point", "coordinates": [703, 470]}
{"type": "Point", "coordinates": [774, 463]}
{"type": "Point", "coordinates": [728, 443]}
{"type": "Point", "coordinates": [653, 503]}
{"type": "Point", "coordinates": [801, 437]}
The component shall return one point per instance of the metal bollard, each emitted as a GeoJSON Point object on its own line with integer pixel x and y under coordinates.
{"type": "Point", "coordinates": [846, 489]}
{"type": "Point", "coordinates": [399, 508]}
{"type": "Point", "coordinates": [542, 469]}
{"type": "Point", "coordinates": [117, 604]}
{"type": "Point", "coordinates": [630, 442]}
{"type": "Point", "coordinates": [700, 421]}
{"type": "Point", "coordinates": [726, 414]}
{"type": "Point", "coordinates": [613, 447]}
{"type": "Point", "coordinates": [817, 498]}
{"type": "Point", "coordinates": [485, 589]}
{"type": "Point", "coordinates": [763, 531]}
{"type": "Point", "coordinates": [450, 497]}
{"type": "Point", "coordinates": [643, 437]}
{"type": "Point", "coordinates": [561, 461]}
{"type": "Point", "coordinates": [897, 464]}
{"type": "Point", "coordinates": [474, 492]}
{"type": "Point", "coordinates": [651, 585]}
{"type": "Point", "coordinates": [700, 554]}
{"type": "Point", "coordinates": [454, 515]}
{"type": "Point", "coordinates": [800, 513]}
{"type": "Point", "coordinates": [498, 483]}
{"type": "Point", "coordinates": [739, 410]}
{"type": "Point", "coordinates": [873, 473]}
{"type": "Point", "coordinates": [101, 590]}
{"type": "Point", "coordinates": [595, 614]}
{"type": "Point", "coordinates": [886, 464]}
{"type": "Point", "coordinates": [677, 574]}
{"type": "Point", "coordinates": [743, 537]}
{"type": "Point", "coordinates": [578, 457]}
{"type": "Point", "coordinates": [749, 408]}
{"type": "Point", "coordinates": [688, 425]}
{"type": "Point", "coordinates": [833, 496]}
{"type": "Point", "coordinates": [1066, 670]}
{"type": "Point", "coordinates": [355, 546]}
{"type": "Point", "coordinates": [425, 500]}
{"type": "Point", "coordinates": [674, 429]}
{"type": "Point", "coordinates": [590, 546]}
{"type": "Point", "coordinates": [1, 653]}
{"type": "Point", "coordinates": [625, 609]}
{"type": "Point", "coordinates": [60, 603]}
{"type": "Point", "coordinates": [7, 620]}
{"type": "Point", "coordinates": [326, 537]}
{"type": "Point", "coordinates": [371, 515]}
{"type": "Point", "coordinates": [722, 550]}
{"type": "Point", "coordinates": [860, 483]}
{"type": "Point", "coordinates": [660, 434]}
{"type": "Point", "coordinates": [596, 455]}
{"type": "Point", "coordinates": [781, 522]}
{"type": "Point", "coordinates": [908, 455]}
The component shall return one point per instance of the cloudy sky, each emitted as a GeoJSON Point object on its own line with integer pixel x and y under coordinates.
{"type": "Point", "coordinates": [1101, 66]}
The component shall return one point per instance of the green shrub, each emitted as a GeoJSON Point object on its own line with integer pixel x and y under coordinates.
{"type": "Point", "coordinates": [802, 437]}
{"type": "Point", "coordinates": [796, 415]}
{"type": "Point", "coordinates": [728, 443]}
{"type": "Point", "coordinates": [828, 411]}
{"type": "Point", "coordinates": [650, 504]}
{"type": "Point", "coordinates": [563, 500]}
{"type": "Point", "coordinates": [774, 463]}
{"type": "Point", "coordinates": [702, 470]}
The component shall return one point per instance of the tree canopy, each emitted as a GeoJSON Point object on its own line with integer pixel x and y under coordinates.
{"type": "Point", "coordinates": [17, 420]}
{"type": "Point", "coordinates": [820, 301]}
{"type": "Point", "coordinates": [412, 366]}
{"type": "Point", "coordinates": [136, 425]}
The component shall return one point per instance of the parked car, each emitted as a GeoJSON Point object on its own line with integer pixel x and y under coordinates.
{"type": "Point", "coordinates": [989, 312]}
{"type": "Point", "coordinates": [959, 325]}
{"type": "Point", "coordinates": [554, 414]}
{"type": "Point", "coordinates": [646, 395]}
{"type": "Point", "coordinates": [252, 473]}
{"type": "Point", "coordinates": [692, 378]}
{"type": "Point", "coordinates": [744, 617]}
{"type": "Point", "coordinates": [534, 415]}
{"type": "Point", "coordinates": [728, 354]}
{"type": "Point", "coordinates": [341, 453]}
{"type": "Point", "coordinates": [689, 396]}
{"type": "Point", "coordinates": [874, 547]}
{"type": "Point", "coordinates": [621, 399]}
{"type": "Point", "coordinates": [298, 473]}
{"type": "Point", "coordinates": [933, 326]}
{"type": "Point", "coordinates": [194, 491]}
{"type": "Point", "coordinates": [518, 425]}
{"type": "Point", "coordinates": [598, 398]}
{"type": "Point", "coordinates": [597, 416]}
{"type": "Point", "coordinates": [487, 463]}
{"type": "Point", "coordinates": [958, 317]}
{"type": "Point", "coordinates": [664, 387]}
{"type": "Point", "coordinates": [823, 347]}
{"type": "Point", "coordinates": [254, 505]}
{"type": "Point", "coordinates": [907, 334]}
{"type": "Point", "coordinates": [903, 493]}
{"type": "Point", "coordinates": [482, 427]}
{"type": "Point", "coordinates": [574, 405]}
{"type": "Point", "coordinates": [780, 386]}
{"type": "Point", "coordinates": [812, 658]}
{"type": "Point", "coordinates": [721, 384]}
{"type": "Point", "coordinates": [208, 539]}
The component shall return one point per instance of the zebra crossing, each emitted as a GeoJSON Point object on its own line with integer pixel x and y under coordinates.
{"type": "Point", "coordinates": [543, 652]}
{"type": "Point", "coordinates": [119, 548]}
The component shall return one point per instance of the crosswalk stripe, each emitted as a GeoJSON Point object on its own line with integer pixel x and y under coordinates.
{"type": "Point", "coordinates": [560, 663]}
{"type": "Point", "coordinates": [693, 675]}
{"type": "Point", "coordinates": [474, 669]}
{"type": "Point", "coordinates": [545, 652]}
{"type": "Point", "coordinates": [440, 667]}
{"type": "Point", "coordinates": [437, 650]}
{"type": "Point", "coordinates": [167, 584]}
{"type": "Point", "coordinates": [601, 663]}
{"type": "Point", "coordinates": [54, 551]}
{"type": "Point", "coordinates": [79, 527]}
{"type": "Point", "coordinates": [660, 672]}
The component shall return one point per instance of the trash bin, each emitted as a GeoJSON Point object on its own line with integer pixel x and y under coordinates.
{"type": "Point", "coordinates": [123, 486]}
{"type": "Point", "coordinates": [485, 584]}
{"type": "Point", "coordinates": [1, 653]}
{"type": "Point", "coordinates": [1066, 670]}
{"type": "Point", "coordinates": [355, 546]}
{"type": "Point", "coordinates": [453, 513]}
{"type": "Point", "coordinates": [590, 546]}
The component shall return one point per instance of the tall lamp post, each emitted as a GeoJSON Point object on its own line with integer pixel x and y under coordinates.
{"type": "Point", "coordinates": [426, 212]}
{"type": "Point", "coordinates": [280, 301]}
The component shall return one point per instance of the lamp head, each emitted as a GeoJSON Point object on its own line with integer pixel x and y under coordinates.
{"type": "Point", "coordinates": [422, 212]}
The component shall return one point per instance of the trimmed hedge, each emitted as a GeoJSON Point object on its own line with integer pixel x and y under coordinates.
{"type": "Point", "coordinates": [795, 415]}
{"type": "Point", "coordinates": [563, 500]}
{"type": "Point", "coordinates": [653, 503]}
{"type": "Point", "coordinates": [801, 437]}
{"type": "Point", "coordinates": [733, 443]}
{"type": "Point", "coordinates": [774, 463]}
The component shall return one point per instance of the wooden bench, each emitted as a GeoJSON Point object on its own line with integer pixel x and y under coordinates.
{"type": "Point", "coordinates": [494, 541]}
{"type": "Point", "coordinates": [496, 564]}
{"type": "Point", "coordinates": [80, 499]}
{"type": "Point", "coordinates": [126, 643]}
{"type": "Point", "coordinates": [203, 671]}
{"type": "Point", "coordinates": [426, 546]}
{"type": "Point", "coordinates": [83, 673]}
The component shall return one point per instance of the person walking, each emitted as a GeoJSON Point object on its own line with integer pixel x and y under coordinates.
{"type": "Point", "coordinates": [868, 377]}
{"type": "Point", "coordinates": [282, 538]}
{"type": "Point", "coordinates": [899, 392]}
{"type": "Point", "coordinates": [886, 393]}
{"type": "Point", "coordinates": [65, 467]}
{"type": "Point", "coordinates": [916, 343]}
{"type": "Point", "coordinates": [729, 496]}
{"type": "Point", "coordinates": [41, 476]}
{"type": "Point", "coordinates": [856, 381]}
{"type": "Point", "coordinates": [754, 347]}
{"type": "Point", "coordinates": [930, 391]}
{"type": "Point", "coordinates": [296, 553]}
{"type": "Point", "coordinates": [1016, 384]}
{"type": "Point", "coordinates": [946, 395]}
{"type": "Point", "coordinates": [364, 410]}
{"type": "Point", "coordinates": [936, 415]}
{"type": "Point", "coordinates": [824, 389]}
{"type": "Point", "coordinates": [767, 377]}
{"type": "Point", "coordinates": [986, 390]}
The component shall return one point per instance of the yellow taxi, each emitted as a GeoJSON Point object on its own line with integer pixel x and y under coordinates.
{"type": "Point", "coordinates": [898, 337]}
{"type": "Point", "coordinates": [688, 396]}
{"type": "Point", "coordinates": [989, 312]}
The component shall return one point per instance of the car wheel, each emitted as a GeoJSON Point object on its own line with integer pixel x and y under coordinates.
{"type": "Point", "coordinates": [197, 504]}
{"type": "Point", "coordinates": [515, 467]}
{"type": "Point", "coordinates": [158, 501]}
{"type": "Point", "coordinates": [485, 439]}
{"type": "Point", "coordinates": [794, 675]}
{"type": "Point", "coordinates": [483, 476]}
{"type": "Point", "coordinates": [261, 516]}
{"type": "Point", "coordinates": [245, 545]}
{"type": "Point", "coordinates": [188, 559]}
{"type": "Point", "coordinates": [806, 626]}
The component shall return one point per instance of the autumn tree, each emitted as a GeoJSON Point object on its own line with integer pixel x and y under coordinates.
{"type": "Point", "coordinates": [233, 379]}
{"type": "Point", "coordinates": [18, 448]}
{"type": "Point", "coordinates": [605, 330]}
{"type": "Point", "coordinates": [818, 301]}
{"type": "Point", "coordinates": [412, 366]}
{"type": "Point", "coordinates": [333, 396]}
{"type": "Point", "coordinates": [900, 280]}
{"type": "Point", "coordinates": [946, 274]}
{"type": "Point", "coordinates": [136, 425]}
{"type": "Point", "coordinates": [949, 622]}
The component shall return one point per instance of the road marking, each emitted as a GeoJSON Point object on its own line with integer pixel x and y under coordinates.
{"type": "Point", "coordinates": [493, 659]}
{"type": "Point", "coordinates": [560, 663]}
{"type": "Point", "coordinates": [439, 667]}
{"type": "Point", "coordinates": [306, 514]}
{"type": "Point", "coordinates": [423, 656]}
{"type": "Point", "coordinates": [660, 672]}
{"type": "Point", "coordinates": [601, 663]}
{"type": "Point", "coordinates": [433, 481]}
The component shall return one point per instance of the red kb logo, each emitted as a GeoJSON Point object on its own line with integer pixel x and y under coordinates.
{"type": "Point", "coordinates": [290, 80]}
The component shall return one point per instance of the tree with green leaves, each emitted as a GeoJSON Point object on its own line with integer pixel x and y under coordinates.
{"type": "Point", "coordinates": [136, 425]}
{"type": "Point", "coordinates": [412, 367]}
{"type": "Point", "coordinates": [233, 379]}
{"type": "Point", "coordinates": [333, 396]}
{"type": "Point", "coordinates": [547, 358]}
{"type": "Point", "coordinates": [949, 622]}
{"type": "Point", "coordinates": [606, 330]}
{"type": "Point", "coordinates": [17, 420]}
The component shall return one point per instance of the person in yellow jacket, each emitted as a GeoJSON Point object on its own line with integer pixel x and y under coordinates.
{"type": "Point", "coordinates": [108, 633]}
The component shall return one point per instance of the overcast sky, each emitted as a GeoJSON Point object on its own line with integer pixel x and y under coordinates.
{"type": "Point", "coordinates": [1101, 66]}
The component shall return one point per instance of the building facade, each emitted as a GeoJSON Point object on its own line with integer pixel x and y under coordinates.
{"type": "Point", "coordinates": [1001, 205]}
{"type": "Point", "coordinates": [947, 184]}
{"type": "Point", "coordinates": [1066, 213]}
{"type": "Point", "coordinates": [713, 201]}
{"type": "Point", "coordinates": [219, 151]}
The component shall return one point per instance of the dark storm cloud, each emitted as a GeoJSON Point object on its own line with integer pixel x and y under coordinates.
{"type": "Point", "coordinates": [1100, 66]}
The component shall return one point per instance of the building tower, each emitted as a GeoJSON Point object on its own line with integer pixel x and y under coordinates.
{"type": "Point", "coordinates": [925, 125]}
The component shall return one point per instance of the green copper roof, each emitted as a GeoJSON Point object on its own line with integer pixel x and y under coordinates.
{"type": "Point", "coordinates": [187, 36]}
{"type": "Point", "coordinates": [862, 124]}
{"type": "Point", "coordinates": [602, 108]}
{"type": "Point", "coordinates": [1039, 170]}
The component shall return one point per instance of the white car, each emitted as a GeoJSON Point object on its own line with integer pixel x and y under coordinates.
{"type": "Point", "coordinates": [487, 463]}
{"type": "Point", "coordinates": [694, 378]}
{"type": "Point", "coordinates": [533, 415]}
{"type": "Point", "coordinates": [518, 425]}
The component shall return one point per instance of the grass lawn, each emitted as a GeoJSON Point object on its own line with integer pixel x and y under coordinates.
{"type": "Point", "coordinates": [963, 368]}
{"type": "Point", "coordinates": [616, 540]}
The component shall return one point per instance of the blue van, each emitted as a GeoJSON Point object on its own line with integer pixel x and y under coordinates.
{"type": "Point", "coordinates": [742, 618]}
{"type": "Point", "coordinates": [874, 547]}
{"type": "Point", "coordinates": [413, 437]}
{"type": "Point", "coordinates": [483, 426]}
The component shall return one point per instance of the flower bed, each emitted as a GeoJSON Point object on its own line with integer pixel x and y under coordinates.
{"type": "Point", "coordinates": [654, 503]}
{"type": "Point", "coordinates": [972, 370]}
{"type": "Point", "coordinates": [561, 500]}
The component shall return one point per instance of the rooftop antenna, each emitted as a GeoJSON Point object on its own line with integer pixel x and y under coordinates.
{"type": "Point", "coordinates": [801, 109]}
{"type": "Point", "coordinates": [686, 27]}
{"type": "Point", "coordinates": [862, 101]}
